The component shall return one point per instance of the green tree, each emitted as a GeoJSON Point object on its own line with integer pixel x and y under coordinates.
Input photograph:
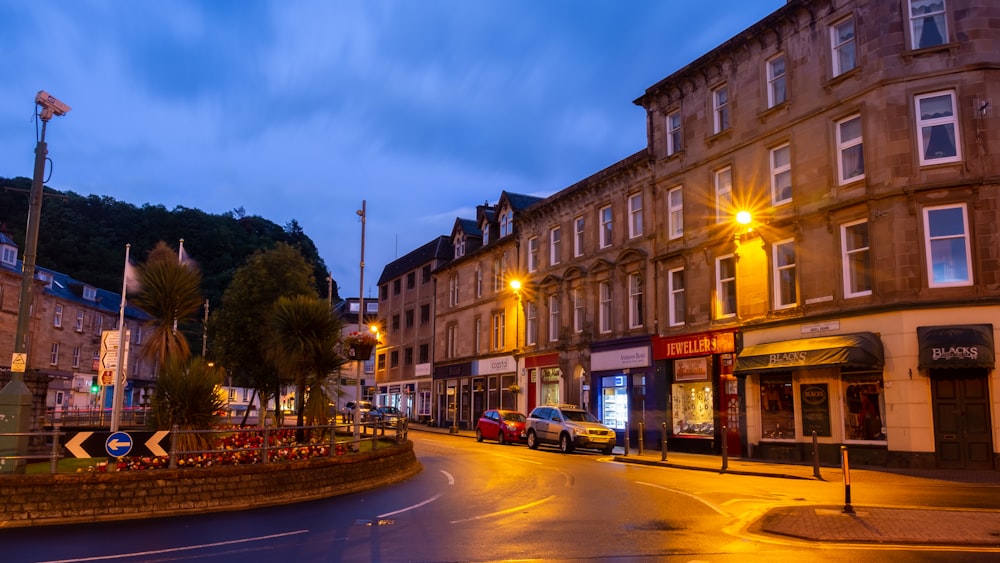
{"type": "Point", "coordinates": [187, 396]}
{"type": "Point", "coordinates": [170, 293]}
{"type": "Point", "coordinates": [239, 329]}
{"type": "Point", "coordinates": [303, 344]}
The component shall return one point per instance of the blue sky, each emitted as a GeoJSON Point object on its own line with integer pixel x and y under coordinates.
{"type": "Point", "coordinates": [301, 109]}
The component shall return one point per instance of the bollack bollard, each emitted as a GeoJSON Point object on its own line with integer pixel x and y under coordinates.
{"type": "Point", "coordinates": [663, 452]}
{"type": "Point", "coordinates": [848, 509]}
{"type": "Point", "coordinates": [725, 450]}
{"type": "Point", "coordinates": [626, 441]}
{"type": "Point", "coordinates": [815, 456]}
{"type": "Point", "coordinates": [642, 438]}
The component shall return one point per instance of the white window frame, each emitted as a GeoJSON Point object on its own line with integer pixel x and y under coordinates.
{"type": "Point", "coordinates": [844, 53]}
{"type": "Point", "coordinates": [777, 85]}
{"type": "Point", "coordinates": [78, 324]}
{"type": "Point", "coordinates": [57, 316]}
{"type": "Point", "coordinates": [607, 226]}
{"type": "Point", "coordinates": [451, 340]}
{"type": "Point", "coordinates": [784, 272]}
{"type": "Point", "coordinates": [635, 215]}
{"type": "Point", "coordinates": [675, 213]}
{"type": "Point", "coordinates": [554, 317]}
{"type": "Point", "coordinates": [723, 179]}
{"type": "Point", "coordinates": [847, 147]}
{"type": "Point", "coordinates": [504, 224]}
{"type": "Point", "coordinates": [934, 251]}
{"type": "Point", "coordinates": [720, 108]}
{"type": "Point", "coordinates": [531, 323]}
{"type": "Point", "coordinates": [555, 245]}
{"type": "Point", "coordinates": [459, 246]}
{"type": "Point", "coordinates": [917, 22]}
{"type": "Point", "coordinates": [99, 324]}
{"type": "Point", "coordinates": [675, 290]}
{"type": "Point", "coordinates": [499, 340]}
{"type": "Point", "coordinates": [485, 228]}
{"type": "Point", "coordinates": [578, 310]}
{"type": "Point", "coordinates": [635, 300]}
{"type": "Point", "coordinates": [579, 226]}
{"type": "Point", "coordinates": [723, 287]}
{"type": "Point", "coordinates": [857, 259]}
{"type": "Point", "coordinates": [781, 174]}
{"type": "Point", "coordinates": [927, 126]}
{"type": "Point", "coordinates": [479, 281]}
{"type": "Point", "coordinates": [533, 254]}
{"type": "Point", "coordinates": [497, 274]}
{"type": "Point", "coordinates": [453, 290]}
{"type": "Point", "coordinates": [604, 307]}
{"type": "Point", "coordinates": [477, 337]}
{"type": "Point", "coordinates": [675, 142]}
{"type": "Point", "coordinates": [54, 354]}
{"type": "Point", "coordinates": [9, 255]}
{"type": "Point", "coordinates": [76, 357]}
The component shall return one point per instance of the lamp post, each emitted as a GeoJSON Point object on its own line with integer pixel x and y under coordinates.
{"type": "Point", "coordinates": [515, 285]}
{"type": "Point", "coordinates": [361, 313]}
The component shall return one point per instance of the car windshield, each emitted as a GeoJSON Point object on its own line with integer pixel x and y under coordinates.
{"type": "Point", "coordinates": [579, 416]}
{"type": "Point", "coordinates": [514, 417]}
{"type": "Point", "coordinates": [390, 410]}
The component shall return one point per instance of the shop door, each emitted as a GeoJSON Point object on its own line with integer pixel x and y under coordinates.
{"type": "Point", "coordinates": [730, 403]}
{"type": "Point", "coordinates": [962, 430]}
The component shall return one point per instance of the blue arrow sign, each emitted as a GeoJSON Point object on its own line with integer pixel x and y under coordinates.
{"type": "Point", "coordinates": [118, 444]}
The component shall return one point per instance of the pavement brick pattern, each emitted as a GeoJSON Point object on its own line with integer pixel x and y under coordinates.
{"type": "Point", "coordinates": [885, 525]}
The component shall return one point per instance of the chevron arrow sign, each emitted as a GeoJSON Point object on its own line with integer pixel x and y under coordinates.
{"type": "Point", "coordinates": [94, 444]}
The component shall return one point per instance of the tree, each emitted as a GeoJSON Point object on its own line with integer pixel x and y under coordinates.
{"type": "Point", "coordinates": [170, 293]}
{"type": "Point", "coordinates": [186, 396]}
{"type": "Point", "coordinates": [239, 330]}
{"type": "Point", "coordinates": [303, 343]}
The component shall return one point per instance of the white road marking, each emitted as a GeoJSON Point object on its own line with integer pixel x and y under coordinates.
{"type": "Point", "coordinates": [177, 549]}
{"type": "Point", "coordinates": [411, 507]}
{"type": "Point", "coordinates": [687, 494]}
{"type": "Point", "coordinates": [451, 480]}
{"type": "Point", "coordinates": [508, 511]}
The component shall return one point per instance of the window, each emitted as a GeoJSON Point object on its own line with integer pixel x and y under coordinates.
{"type": "Point", "coordinates": [451, 340]}
{"type": "Point", "coordinates": [485, 228]}
{"type": "Point", "coordinates": [674, 133]}
{"type": "Point", "coordinates": [408, 357]}
{"type": "Point", "coordinates": [723, 194]}
{"type": "Point", "coordinates": [479, 281]}
{"type": "Point", "coordinates": [635, 309]}
{"type": "Point", "coordinates": [604, 310]}
{"type": "Point", "coordinates": [533, 254]}
{"type": "Point", "coordinates": [675, 213]}
{"type": "Point", "coordinates": [499, 330]}
{"type": "Point", "coordinates": [394, 359]}
{"type": "Point", "coordinates": [578, 310]}
{"type": "Point", "coordinates": [78, 324]}
{"type": "Point", "coordinates": [777, 415]}
{"type": "Point", "coordinates": [531, 323]}
{"type": "Point", "coordinates": [57, 316]}
{"type": "Point", "coordinates": [857, 259]}
{"type": "Point", "coordinates": [383, 292]}
{"type": "Point", "coordinates": [397, 286]}
{"type": "Point", "coordinates": [864, 403]}
{"type": "Point", "coordinates": [497, 274]}
{"type": "Point", "coordinates": [634, 215]}
{"type": "Point", "coordinates": [776, 92]}
{"type": "Point", "coordinates": [76, 357]}
{"type": "Point", "coordinates": [937, 127]}
{"type": "Point", "coordinates": [783, 257]}
{"type": "Point", "coordinates": [409, 317]}
{"type": "Point", "coordinates": [675, 288]}
{"type": "Point", "coordinates": [425, 313]}
{"type": "Point", "coordinates": [477, 337]}
{"type": "Point", "coordinates": [505, 226]}
{"type": "Point", "coordinates": [395, 323]}
{"type": "Point", "coordinates": [425, 274]}
{"type": "Point", "coordinates": [54, 354]}
{"type": "Point", "coordinates": [453, 290]}
{"type": "Point", "coordinates": [459, 246]}
{"type": "Point", "coordinates": [9, 255]}
{"type": "Point", "coordinates": [947, 243]}
{"type": "Point", "coordinates": [928, 24]}
{"type": "Point", "coordinates": [781, 175]}
{"type": "Point", "coordinates": [98, 324]}
{"type": "Point", "coordinates": [424, 353]}
{"type": "Point", "coordinates": [725, 286]}
{"type": "Point", "coordinates": [720, 108]}
{"type": "Point", "coordinates": [90, 293]}
{"type": "Point", "coordinates": [842, 38]}
{"type": "Point", "coordinates": [555, 238]}
{"type": "Point", "coordinates": [851, 164]}
{"type": "Point", "coordinates": [411, 280]}
{"type": "Point", "coordinates": [554, 318]}
{"type": "Point", "coordinates": [578, 226]}
{"type": "Point", "coordinates": [605, 215]}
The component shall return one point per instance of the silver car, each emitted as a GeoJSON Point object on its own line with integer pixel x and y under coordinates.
{"type": "Point", "coordinates": [569, 427]}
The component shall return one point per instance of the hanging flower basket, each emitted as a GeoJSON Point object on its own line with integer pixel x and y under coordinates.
{"type": "Point", "coordinates": [359, 345]}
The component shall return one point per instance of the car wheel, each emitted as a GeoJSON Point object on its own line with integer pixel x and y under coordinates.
{"type": "Point", "coordinates": [608, 450]}
{"type": "Point", "coordinates": [502, 438]}
{"type": "Point", "coordinates": [479, 435]}
{"type": "Point", "coordinates": [532, 440]}
{"type": "Point", "coordinates": [565, 444]}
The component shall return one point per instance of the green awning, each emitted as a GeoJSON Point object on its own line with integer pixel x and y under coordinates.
{"type": "Point", "coordinates": [857, 350]}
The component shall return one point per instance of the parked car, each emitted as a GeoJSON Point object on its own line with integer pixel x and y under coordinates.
{"type": "Point", "coordinates": [386, 414]}
{"type": "Point", "coordinates": [501, 425]}
{"type": "Point", "coordinates": [569, 427]}
{"type": "Point", "coordinates": [364, 406]}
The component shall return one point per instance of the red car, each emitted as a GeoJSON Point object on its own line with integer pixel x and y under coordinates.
{"type": "Point", "coordinates": [503, 426]}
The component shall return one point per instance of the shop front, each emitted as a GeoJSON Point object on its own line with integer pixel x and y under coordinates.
{"type": "Point", "coordinates": [545, 381]}
{"type": "Point", "coordinates": [703, 404]}
{"type": "Point", "coordinates": [491, 385]}
{"type": "Point", "coordinates": [452, 383]}
{"type": "Point", "coordinates": [958, 360]}
{"type": "Point", "coordinates": [621, 374]}
{"type": "Point", "coordinates": [830, 386]}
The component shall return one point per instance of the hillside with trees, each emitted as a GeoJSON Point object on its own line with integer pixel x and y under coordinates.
{"type": "Point", "coordinates": [85, 237]}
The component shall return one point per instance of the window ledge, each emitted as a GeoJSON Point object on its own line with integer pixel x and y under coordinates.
{"type": "Point", "coordinates": [950, 48]}
{"type": "Point", "coordinates": [773, 110]}
{"type": "Point", "coordinates": [719, 136]}
{"type": "Point", "coordinates": [840, 78]}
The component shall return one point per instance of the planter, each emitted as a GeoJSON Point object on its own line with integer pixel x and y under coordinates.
{"type": "Point", "coordinates": [360, 352]}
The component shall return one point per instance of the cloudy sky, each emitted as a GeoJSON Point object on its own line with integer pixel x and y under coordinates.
{"type": "Point", "coordinates": [301, 109]}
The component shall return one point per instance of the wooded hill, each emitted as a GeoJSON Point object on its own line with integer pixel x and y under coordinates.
{"type": "Point", "coordinates": [85, 237]}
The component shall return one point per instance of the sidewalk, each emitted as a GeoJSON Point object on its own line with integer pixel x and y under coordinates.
{"type": "Point", "coordinates": [828, 523]}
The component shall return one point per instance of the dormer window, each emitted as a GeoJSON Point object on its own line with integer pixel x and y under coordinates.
{"type": "Point", "coordinates": [486, 233]}
{"type": "Point", "coordinates": [90, 293]}
{"type": "Point", "coordinates": [8, 255]}
{"type": "Point", "coordinates": [45, 278]}
{"type": "Point", "coordinates": [459, 246]}
{"type": "Point", "coordinates": [507, 223]}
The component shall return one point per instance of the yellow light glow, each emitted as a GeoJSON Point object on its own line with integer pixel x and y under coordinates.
{"type": "Point", "coordinates": [515, 285]}
{"type": "Point", "coordinates": [743, 218]}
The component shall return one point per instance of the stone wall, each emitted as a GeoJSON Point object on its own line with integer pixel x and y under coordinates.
{"type": "Point", "coordinates": [32, 500]}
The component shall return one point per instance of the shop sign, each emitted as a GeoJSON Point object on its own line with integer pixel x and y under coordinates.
{"type": "Point", "coordinates": [637, 357]}
{"type": "Point", "coordinates": [704, 344]}
{"type": "Point", "coordinates": [501, 364]}
{"type": "Point", "coordinates": [691, 369]}
{"type": "Point", "coordinates": [815, 409]}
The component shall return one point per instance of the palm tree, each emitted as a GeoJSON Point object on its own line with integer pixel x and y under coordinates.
{"type": "Point", "coordinates": [304, 335]}
{"type": "Point", "coordinates": [170, 292]}
{"type": "Point", "coordinates": [186, 396]}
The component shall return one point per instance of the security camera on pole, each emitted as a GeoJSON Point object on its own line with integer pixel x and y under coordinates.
{"type": "Point", "coordinates": [15, 397]}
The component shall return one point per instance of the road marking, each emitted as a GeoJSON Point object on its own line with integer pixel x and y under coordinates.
{"type": "Point", "coordinates": [451, 480]}
{"type": "Point", "coordinates": [515, 458]}
{"type": "Point", "coordinates": [411, 507]}
{"type": "Point", "coordinates": [176, 549]}
{"type": "Point", "coordinates": [687, 494]}
{"type": "Point", "coordinates": [508, 511]}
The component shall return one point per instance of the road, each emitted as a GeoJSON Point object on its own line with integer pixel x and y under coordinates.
{"type": "Point", "coordinates": [485, 502]}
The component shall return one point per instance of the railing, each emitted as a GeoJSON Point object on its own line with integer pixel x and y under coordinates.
{"type": "Point", "coordinates": [263, 444]}
{"type": "Point", "coordinates": [94, 417]}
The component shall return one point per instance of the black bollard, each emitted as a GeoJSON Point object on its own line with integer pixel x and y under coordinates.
{"type": "Point", "coordinates": [848, 509]}
{"type": "Point", "coordinates": [663, 452]}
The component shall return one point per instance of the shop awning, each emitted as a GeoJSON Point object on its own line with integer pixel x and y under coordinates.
{"type": "Point", "coordinates": [956, 346]}
{"type": "Point", "coordinates": [856, 350]}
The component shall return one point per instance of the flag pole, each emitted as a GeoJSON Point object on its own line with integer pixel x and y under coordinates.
{"type": "Point", "coordinates": [117, 400]}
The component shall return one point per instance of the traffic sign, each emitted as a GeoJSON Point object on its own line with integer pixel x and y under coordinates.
{"type": "Point", "coordinates": [99, 444]}
{"type": "Point", "coordinates": [18, 362]}
{"type": "Point", "coordinates": [118, 444]}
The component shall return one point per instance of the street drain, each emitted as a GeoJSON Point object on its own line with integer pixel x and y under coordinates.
{"type": "Point", "coordinates": [377, 522]}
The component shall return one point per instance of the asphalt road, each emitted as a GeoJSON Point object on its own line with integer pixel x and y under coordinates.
{"type": "Point", "coordinates": [485, 502]}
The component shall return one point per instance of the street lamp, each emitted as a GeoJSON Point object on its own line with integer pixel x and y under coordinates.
{"type": "Point", "coordinates": [362, 213]}
{"type": "Point", "coordinates": [515, 286]}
